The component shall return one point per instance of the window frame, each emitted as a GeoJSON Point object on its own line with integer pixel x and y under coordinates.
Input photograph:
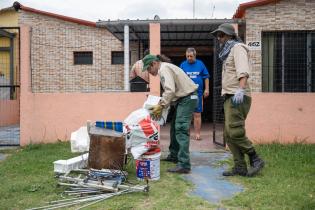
{"type": "Point", "coordinates": [81, 60]}
{"type": "Point", "coordinates": [123, 57]}
{"type": "Point", "coordinates": [278, 68]}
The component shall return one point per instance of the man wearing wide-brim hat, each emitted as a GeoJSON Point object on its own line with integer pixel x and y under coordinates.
{"type": "Point", "coordinates": [237, 100]}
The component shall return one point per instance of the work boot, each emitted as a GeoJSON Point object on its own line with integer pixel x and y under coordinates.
{"type": "Point", "coordinates": [235, 171]}
{"type": "Point", "coordinates": [179, 169]}
{"type": "Point", "coordinates": [255, 162]}
{"type": "Point", "coordinates": [170, 159]}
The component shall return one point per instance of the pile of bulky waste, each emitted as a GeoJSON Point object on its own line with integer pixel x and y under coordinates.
{"type": "Point", "coordinates": [86, 187]}
{"type": "Point", "coordinates": [140, 130]}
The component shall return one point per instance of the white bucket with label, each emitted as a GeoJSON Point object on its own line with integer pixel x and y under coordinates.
{"type": "Point", "coordinates": [148, 165]}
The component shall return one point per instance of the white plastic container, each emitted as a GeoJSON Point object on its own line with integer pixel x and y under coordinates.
{"type": "Point", "coordinates": [148, 165]}
{"type": "Point", "coordinates": [65, 166]}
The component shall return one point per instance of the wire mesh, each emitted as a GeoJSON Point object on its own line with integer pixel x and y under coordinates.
{"type": "Point", "coordinates": [217, 112]}
{"type": "Point", "coordinates": [288, 61]}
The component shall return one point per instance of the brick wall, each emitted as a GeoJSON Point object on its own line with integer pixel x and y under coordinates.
{"type": "Point", "coordinates": [53, 42]}
{"type": "Point", "coordinates": [282, 16]}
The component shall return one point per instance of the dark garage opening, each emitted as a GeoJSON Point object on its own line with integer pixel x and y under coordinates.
{"type": "Point", "coordinates": [176, 36]}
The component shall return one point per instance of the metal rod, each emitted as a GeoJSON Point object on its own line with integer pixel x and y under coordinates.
{"type": "Point", "coordinates": [92, 203]}
{"type": "Point", "coordinates": [74, 202]}
{"type": "Point", "coordinates": [68, 199]}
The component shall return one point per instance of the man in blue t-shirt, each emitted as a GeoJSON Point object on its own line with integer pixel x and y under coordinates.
{"type": "Point", "coordinates": [198, 72]}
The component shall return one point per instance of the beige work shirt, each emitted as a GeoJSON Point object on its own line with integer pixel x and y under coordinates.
{"type": "Point", "coordinates": [175, 82]}
{"type": "Point", "coordinates": [234, 68]}
{"type": "Point", "coordinates": [136, 70]}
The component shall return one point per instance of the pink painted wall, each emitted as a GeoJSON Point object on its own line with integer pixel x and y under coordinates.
{"type": "Point", "coordinates": [9, 112]}
{"type": "Point", "coordinates": [284, 117]}
{"type": "Point", "coordinates": [48, 117]}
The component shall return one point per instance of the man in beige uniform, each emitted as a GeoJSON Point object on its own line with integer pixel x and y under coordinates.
{"type": "Point", "coordinates": [181, 91]}
{"type": "Point", "coordinates": [236, 90]}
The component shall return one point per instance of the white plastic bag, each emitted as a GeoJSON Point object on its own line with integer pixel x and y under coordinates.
{"type": "Point", "coordinates": [136, 116]}
{"type": "Point", "coordinates": [141, 132]}
{"type": "Point", "coordinates": [139, 124]}
{"type": "Point", "coordinates": [138, 150]}
{"type": "Point", "coordinates": [80, 140]}
{"type": "Point", "coordinates": [154, 100]}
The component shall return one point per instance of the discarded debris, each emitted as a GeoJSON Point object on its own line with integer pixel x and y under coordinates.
{"type": "Point", "coordinates": [88, 187]}
{"type": "Point", "coordinates": [65, 166]}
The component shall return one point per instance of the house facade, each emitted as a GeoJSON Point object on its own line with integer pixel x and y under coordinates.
{"type": "Point", "coordinates": [73, 70]}
{"type": "Point", "coordinates": [69, 72]}
{"type": "Point", "coordinates": [281, 36]}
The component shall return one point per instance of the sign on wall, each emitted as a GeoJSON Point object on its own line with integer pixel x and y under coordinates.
{"type": "Point", "coordinates": [254, 45]}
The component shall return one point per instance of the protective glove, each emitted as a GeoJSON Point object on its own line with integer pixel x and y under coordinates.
{"type": "Point", "coordinates": [238, 97]}
{"type": "Point", "coordinates": [156, 111]}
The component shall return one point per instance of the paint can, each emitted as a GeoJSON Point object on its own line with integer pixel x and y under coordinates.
{"type": "Point", "coordinates": [148, 165]}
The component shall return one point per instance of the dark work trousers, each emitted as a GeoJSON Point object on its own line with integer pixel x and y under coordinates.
{"type": "Point", "coordinates": [180, 125]}
{"type": "Point", "coordinates": [234, 130]}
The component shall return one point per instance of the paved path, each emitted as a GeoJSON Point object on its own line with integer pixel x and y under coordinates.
{"type": "Point", "coordinates": [207, 176]}
{"type": "Point", "coordinates": [10, 135]}
{"type": "Point", "coordinates": [206, 173]}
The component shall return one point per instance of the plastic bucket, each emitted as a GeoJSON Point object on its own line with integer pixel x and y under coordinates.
{"type": "Point", "coordinates": [148, 165]}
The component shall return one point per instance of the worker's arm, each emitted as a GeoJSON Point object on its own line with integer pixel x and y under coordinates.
{"type": "Point", "coordinates": [242, 72]}
{"type": "Point", "coordinates": [206, 92]}
{"type": "Point", "coordinates": [243, 82]}
{"type": "Point", "coordinates": [238, 97]}
{"type": "Point", "coordinates": [132, 73]}
{"type": "Point", "coordinates": [168, 83]}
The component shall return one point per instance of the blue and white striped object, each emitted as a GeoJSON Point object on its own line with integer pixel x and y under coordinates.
{"type": "Point", "coordinates": [117, 126]}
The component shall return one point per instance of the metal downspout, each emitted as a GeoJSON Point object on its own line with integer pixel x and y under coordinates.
{"type": "Point", "coordinates": [126, 58]}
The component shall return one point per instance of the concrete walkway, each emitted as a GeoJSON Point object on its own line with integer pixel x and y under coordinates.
{"type": "Point", "coordinates": [10, 135]}
{"type": "Point", "coordinates": [207, 176]}
{"type": "Point", "coordinates": [206, 173]}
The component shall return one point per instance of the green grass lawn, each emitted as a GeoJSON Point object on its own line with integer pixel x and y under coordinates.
{"type": "Point", "coordinates": [287, 182]}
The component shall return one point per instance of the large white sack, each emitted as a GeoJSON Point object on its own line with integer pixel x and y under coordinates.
{"type": "Point", "coordinates": [80, 140]}
{"type": "Point", "coordinates": [140, 124]}
{"type": "Point", "coordinates": [136, 116]}
{"type": "Point", "coordinates": [138, 150]}
{"type": "Point", "coordinates": [140, 130]}
{"type": "Point", "coordinates": [154, 100]}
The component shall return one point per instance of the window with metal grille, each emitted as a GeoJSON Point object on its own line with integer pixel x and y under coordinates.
{"type": "Point", "coordinates": [288, 61]}
{"type": "Point", "coordinates": [117, 57]}
{"type": "Point", "coordinates": [83, 58]}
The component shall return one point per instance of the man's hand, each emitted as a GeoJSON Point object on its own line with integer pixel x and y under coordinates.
{"type": "Point", "coordinates": [206, 93]}
{"type": "Point", "coordinates": [238, 97]}
{"type": "Point", "coordinates": [156, 111]}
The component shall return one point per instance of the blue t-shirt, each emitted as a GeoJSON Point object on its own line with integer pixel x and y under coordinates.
{"type": "Point", "coordinates": [197, 71]}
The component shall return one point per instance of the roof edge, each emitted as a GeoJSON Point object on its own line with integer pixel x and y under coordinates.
{"type": "Point", "coordinates": [240, 11]}
{"type": "Point", "coordinates": [17, 6]}
{"type": "Point", "coordinates": [138, 22]}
